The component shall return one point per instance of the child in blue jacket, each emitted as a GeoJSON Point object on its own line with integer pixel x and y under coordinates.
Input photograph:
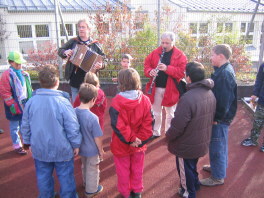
{"type": "Point", "coordinates": [50, 127]}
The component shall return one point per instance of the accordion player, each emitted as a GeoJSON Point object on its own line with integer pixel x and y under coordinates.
{"type": "Point", "coordinates": [85, 58]}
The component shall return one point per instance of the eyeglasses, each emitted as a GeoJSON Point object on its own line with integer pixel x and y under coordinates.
{"type": "Point", "coordinates": [167, 43]}
{"type": "Point", "coordinates": [82, 27]}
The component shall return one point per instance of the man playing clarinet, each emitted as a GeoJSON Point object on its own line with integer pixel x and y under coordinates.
{"type": "Point", "coordinates": [162, 66]}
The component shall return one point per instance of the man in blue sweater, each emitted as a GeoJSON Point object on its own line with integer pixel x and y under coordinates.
{"type": "Point", "coordinates": [259, 114]}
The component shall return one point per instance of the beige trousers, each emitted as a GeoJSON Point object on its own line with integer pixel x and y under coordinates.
{"type": "Point", "coordinates": [157, 111]}
{"type": "Point", "coordinates": [90, 172]}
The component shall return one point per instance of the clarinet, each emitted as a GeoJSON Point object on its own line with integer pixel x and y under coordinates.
{"type": "Point", "coordinates": [154, 78]}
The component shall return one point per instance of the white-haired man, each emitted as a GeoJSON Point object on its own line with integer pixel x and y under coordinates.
{"type": "Point", "coordinates": [171, 63]}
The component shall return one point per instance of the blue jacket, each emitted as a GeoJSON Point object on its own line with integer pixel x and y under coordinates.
{"type": "Point", "coordinates": [259, 88]}
{"type": "Point", "coordinates": [50, 126]}
{"type": "Point", "coordinates": [225, 91]}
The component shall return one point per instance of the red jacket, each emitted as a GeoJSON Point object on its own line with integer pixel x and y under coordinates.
{"type": "Point", "coordinates": [175, 70]}
{"type": "Point", "coordinates": [98, 108]}
{"type": "Point", "coordinates": [130, 119]}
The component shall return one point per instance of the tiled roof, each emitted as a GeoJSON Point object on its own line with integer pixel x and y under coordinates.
{"type": "Point", "coordinates": [48, 5]}
{"type": "Point", "coordinates": [246, 6]}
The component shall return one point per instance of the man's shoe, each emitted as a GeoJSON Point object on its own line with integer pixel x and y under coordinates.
{"type": "Point", "coordinates": [99, 189]}
{"type": "Point", "coordinates": [210, 181]}
{"type": "Point", "coordinates": [20, 151]}
{"type": "Point", "coordinates": [1, 131]}
{"type": "Point", "coordinates": [248, 142]}
{"type": "Point", "coordinates": [207, 168]}
{"type": "Point", "coordinates": [261, 149]}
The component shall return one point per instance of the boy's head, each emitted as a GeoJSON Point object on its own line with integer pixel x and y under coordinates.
{"type": "Point", "coordinates": [91, 78]}
{"type": "Point", "coordinates": [195, 71]}
{"type": "Point", "coordinates": [49, 77]}
{"type": "Point", "coordinates": [15, 59]}
{"type": "Point", "coordinates": [126, 61]}
{"type": "Point", "coordinates": [87, 93]}
{"type": "Point", "coordinates": [128, 79]}
{"type": "Point", "coordinates": [220, 54]}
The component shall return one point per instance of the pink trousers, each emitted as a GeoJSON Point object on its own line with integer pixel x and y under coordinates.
{"type": "Point", "coordinates": [129, 170]}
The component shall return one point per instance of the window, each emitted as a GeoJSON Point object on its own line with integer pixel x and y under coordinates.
{"type": "Point", "coordinates": [25, 46]}
{"type": "Point", "coordinates": [228, 27]}
{"type": "Point", "coordinates": [203, 28]}
{"type": "Point", "coordinates": [24, 31]}
{"type": "Point", "coordinates": [245, 26]}
{"type": "Point", "coordinates": [69, 28]}
{"type": "Point", "coordinates": [76, 28]}
{"type": "Point", "coordinates": [193, 28]}
{"type": "Point", "coordinates": [42, 30]}
{"type": "Point", "coordinates": [32, 36]}
{"type": "Point", "coordinates": [251, 29]}
{"type": "Point", "coordinates": [220, 27]}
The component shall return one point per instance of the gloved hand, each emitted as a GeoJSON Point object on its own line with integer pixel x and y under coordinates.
{"type": "Point", "coordinates": [15, 110]}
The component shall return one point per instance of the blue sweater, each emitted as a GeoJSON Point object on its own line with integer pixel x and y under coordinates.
{"type": "Point", "coordinates": [50, 126]}
{"type": "Point", "coordinates": [259, 88]}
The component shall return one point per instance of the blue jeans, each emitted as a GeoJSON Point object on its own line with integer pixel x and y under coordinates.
{"type": "Point", "coordinates": [218, 151]}
{"type": "Point", "coordinates": [74, 93]}
{"type": "Point", "coordinates": [65, 173]}
{"type": "Point", "coordinates": [14, 129]}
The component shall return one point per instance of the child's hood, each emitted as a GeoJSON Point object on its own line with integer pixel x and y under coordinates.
{"type": "Point", "coordinates": [129, 99]}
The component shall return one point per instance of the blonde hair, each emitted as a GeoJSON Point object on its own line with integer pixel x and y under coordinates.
{"type": "Point", "coordinates": [91, 78]}
{"type": "Point", "coordinates": [128, 79]}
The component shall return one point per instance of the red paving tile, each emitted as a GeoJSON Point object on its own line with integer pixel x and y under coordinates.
{"type": "Point", "coordinates": [245, 171]}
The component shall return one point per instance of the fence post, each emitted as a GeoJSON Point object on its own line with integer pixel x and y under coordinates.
{"type": "Point", "coordinates": [58, 36]}
{"type": "Point", "coordinates": [261, 50]}
{"type": "Point", "coordinates": [158, 21]}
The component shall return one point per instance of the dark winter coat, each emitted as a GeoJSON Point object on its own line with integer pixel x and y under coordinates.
{"type": "Point", "coordinates": [190, 132]}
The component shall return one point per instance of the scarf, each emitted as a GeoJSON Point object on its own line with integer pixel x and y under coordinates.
{"type": "Point", "coordinates": [19, 75]}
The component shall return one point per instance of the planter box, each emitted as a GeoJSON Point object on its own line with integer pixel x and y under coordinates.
{"type": "Point", "coordinates": [110, 88]}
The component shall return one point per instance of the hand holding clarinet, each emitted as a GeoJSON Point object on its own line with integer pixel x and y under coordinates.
{"type": "Point", "coordinates": [154, 72]}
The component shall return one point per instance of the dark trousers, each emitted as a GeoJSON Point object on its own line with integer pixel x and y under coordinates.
{"type": "Point", "coordinates": [187, 170]}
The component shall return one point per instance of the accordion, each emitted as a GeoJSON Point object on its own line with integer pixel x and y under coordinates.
{"type": "Point", "coordinates": [84, 58]}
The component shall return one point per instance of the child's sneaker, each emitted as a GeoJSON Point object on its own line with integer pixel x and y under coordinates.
{"type": "Point", "coordinates": [135, 195]}
{"type": "Point", "coordinates": [99, 189]}
{"type": "Point", "coordinates": [248, 142]}
{"type": "Point", "coordinates": [261, 149]}
{"type": "Point", "coordinates": [20, 151]}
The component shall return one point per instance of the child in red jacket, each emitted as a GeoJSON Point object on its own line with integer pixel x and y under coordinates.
{"type": "Point", "coordinates": [100, 103]}
{"type": "Point", "coordinates": [131, 120]}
